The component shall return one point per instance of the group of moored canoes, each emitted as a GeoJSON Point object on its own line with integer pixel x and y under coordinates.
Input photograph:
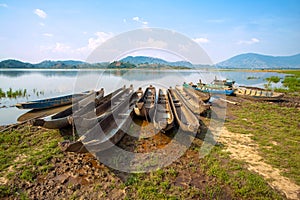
{"type": "Point", "coordinates": [227, 87]}
{"type": "Point", "coordinates": [101, 120]}
{"type": "Point", "coordinates": [177, 105]}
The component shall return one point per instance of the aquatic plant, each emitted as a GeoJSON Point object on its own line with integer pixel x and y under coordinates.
{"type": "Point", "coordinates": [10, 93]}
{"type": "Point", "coordinates": [2, 93]}
{"type": "Point", "coordinates": [252, 77]}
{"type": "Point", "coordinates": [273, 79]}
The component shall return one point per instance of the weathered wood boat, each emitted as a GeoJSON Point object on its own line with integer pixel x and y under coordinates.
{"type": "Point", "coordinates": [89, 101]}
{"type": "Point", "coordinates": [34, 114]}
{"type": "Point", "coordinates": [140, 93]}
{"type": "Point", "coordinates": [89, 119]}
{"type": "Point", "coordinates": [257, 93]}
{"type": "Point", "coordinates": [53, 102]}
{"type": "Point", "coordinates": [145, 106]}
{"type": "Point", "coordinates": [216, 87]}
{"type": "Point", "coordinates": [226, 82]}
{"type": "Point", "coordinates": [112, 127]}
{"type": "Point", "coordinates": [196, 105]}
{"type": "Point", "coordinates": [185, 118]}
{"type": "Point", "coordinates": [66, 120]}
{"type": "Point", "coordinates": [163, 119]}
{"type": "Point", "coordinates": [191, 89]}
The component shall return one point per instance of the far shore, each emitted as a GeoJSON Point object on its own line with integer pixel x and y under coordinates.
{"type": "Point", "coordinates": [162, 69]}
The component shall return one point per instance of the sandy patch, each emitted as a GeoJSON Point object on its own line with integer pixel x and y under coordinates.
{"type": "Point", "coordinates": [242, 147]}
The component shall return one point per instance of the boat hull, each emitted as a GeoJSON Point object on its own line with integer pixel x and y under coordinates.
{"type": "Point", "coordinates": [52, 102]}
{"type": "Point", "coordinates": [258, 94]}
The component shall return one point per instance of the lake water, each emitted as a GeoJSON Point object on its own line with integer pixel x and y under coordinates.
{"type": "Point", "coordinates": [49, 83]}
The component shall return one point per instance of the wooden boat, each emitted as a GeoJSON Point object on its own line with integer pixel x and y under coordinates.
{"type": "Point", "coordinates": [215, 89]}
{"type": "Point", "coordinates": [53, 102]}
{"type": "Point", "coordinates": [145, 106]}
{"type": "Point", "coordinates": [89, 119]}
{"type": "Point", "coordinates": [112, 127]}
{"type": "Point", "coordinates": [140, 93]}
{"type": "Point", "coordinates": [163, 119]}
{"type": "Point", "coordinates": [196, 105]}
{"type": "Point", "coordinates": [66, 120]}
{"type": "Point", "coordinates": [201, 95]}
{"type": "Point", "coordinates": [34, 114]}
{"type": "Point", "coordinates": [226, 82]}
{"type": "Point", "coordinates": [257, 93]}
{"type": "Point", "coordinates": [185, 118]}
{"type": "Point", "coordinates": [88, 101]}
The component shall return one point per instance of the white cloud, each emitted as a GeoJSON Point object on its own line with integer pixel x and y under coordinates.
{"type": "Point", "coordinates": [124, 20]}
{"type": "Point", "coordinates": [48, 34]}
{"type": "Point", "coordinates": [252, 41]}
{"type": "Point", "coordinates": [100, 38]}
{"type": "Point", "coordinates": [139, 20]}
{"type": "Point", "coordinates": [136, 19]}
{"type": "Point", "coordinates": [41, 24]}
{"type": "Point", "coordinates": [201, 40]}
{"type": "Point", "coordinates": [40, 13]}
{"type": "Point", "coordinates": [64, 50]}
{"type": "Point", "coordinates": [3, 5]}
{"type": "Point", "coordinates": [61, 48]}
{"type": "Point", "coordinates": [94, 42]}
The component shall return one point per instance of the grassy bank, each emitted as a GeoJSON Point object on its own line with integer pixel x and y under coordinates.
{"type": "Point", "coordinates": [25, 153]}
{"type": "Point", "coordinates": [276, 131]}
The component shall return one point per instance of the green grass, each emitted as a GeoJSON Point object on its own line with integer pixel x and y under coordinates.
{"type": "Point", "coordinates": [273, 79]}
{"type": "Point", "coordinates": [224, 175]}
{"type": "Point", "coordinates": [244, 184]}
{"type": "Point", "coordinates": [276, 130]}
{"type": "Point", "coordinates": [290, 82]}
{"type": "Point", "coordinates": [294, 72]}
{"type": "Point", "coordinates": [25, 153]}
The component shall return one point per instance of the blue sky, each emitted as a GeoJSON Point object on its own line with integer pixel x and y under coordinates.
{"type": "Point", "coordinates": [33, 31]}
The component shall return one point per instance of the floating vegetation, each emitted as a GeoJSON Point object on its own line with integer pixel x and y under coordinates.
{"type": "Point", "coordinates": [2, 93]}
{"type": "Point", "coordinates": [10, 93]}
{"type": "Point", "coordinates": [252, 77]}
{"type": "Point", "coordinates": [273, 79]}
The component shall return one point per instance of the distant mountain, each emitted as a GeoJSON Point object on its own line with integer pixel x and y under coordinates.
{"type": "Point", "coordinates": [43, 65]}
{"type": "Point", "coordinates": [15, 64]}
{"type": "Point", "coordinates": [258, 61]}
{"type": "Point", "coordinates": [59, 64]}
{"type": "Point", "coordinates": [243, 61]}
{"type": "Point", "coordinates": [140, 60]}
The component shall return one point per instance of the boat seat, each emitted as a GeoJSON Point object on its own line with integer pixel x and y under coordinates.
{"type": "Point", "coordinates": [248, 91]}
{"type": "Point", "coordinates": [178, 104]}
{"type": "Point", "coordinates": [258, 93]}
{"type": "Point", "coordinates": [165, 115]}
{"type": "Point", "coordinates": [253, 92]}
{"type": "Point", "coordinates": [162, 110]}
{"type": "Point", "coordinates": [162, 101]}
{"type": "Point", "coordinates": [242, 91]}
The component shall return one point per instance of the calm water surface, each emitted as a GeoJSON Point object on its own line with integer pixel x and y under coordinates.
{"type": "Point", "coordinates": [60, 82]}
